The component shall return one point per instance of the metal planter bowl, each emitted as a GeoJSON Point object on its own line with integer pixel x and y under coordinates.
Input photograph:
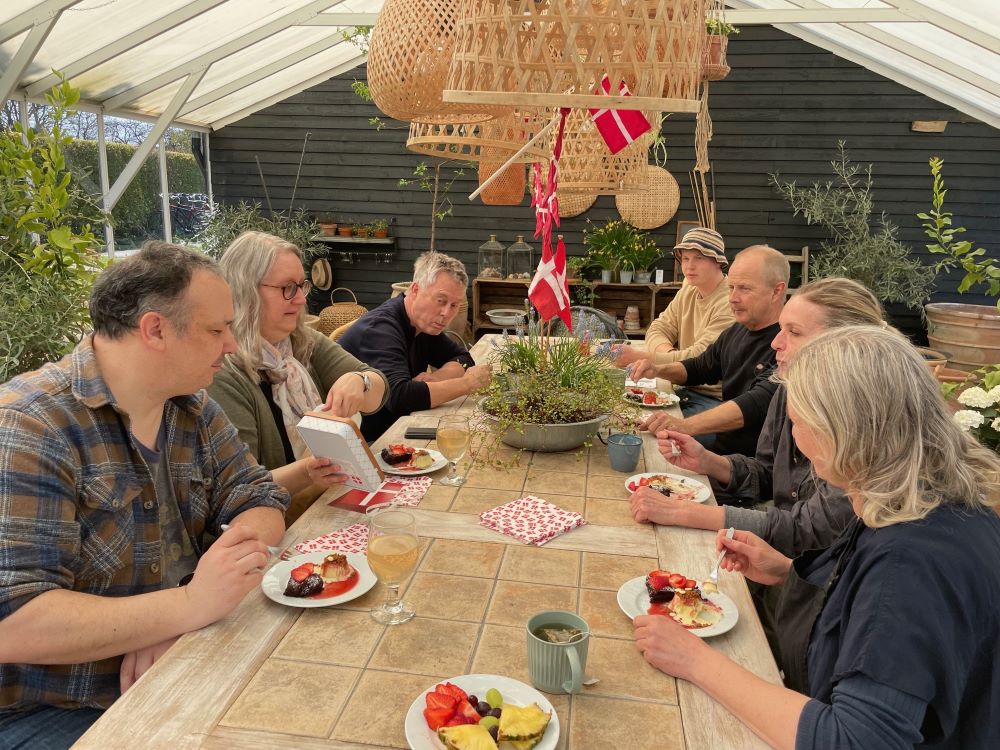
{"type": "Point", "coordinates": [551, 438]}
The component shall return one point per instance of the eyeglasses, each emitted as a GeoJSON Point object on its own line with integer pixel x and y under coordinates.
{"type": "Point", "coordinates": [289, 290]}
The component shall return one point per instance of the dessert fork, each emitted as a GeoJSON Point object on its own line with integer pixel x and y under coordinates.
{"type": "Point", "coordinates": [713, 577]}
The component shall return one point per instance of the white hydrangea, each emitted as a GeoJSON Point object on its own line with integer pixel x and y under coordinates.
{"type": "Point", "coordinates": [976, 397]}
{"type": "Point", "coordinates": [995, 424]}
{"type": "Point", "coordinates": [994, 394]}
{"type": "Point", "coordinates": [968, 419]}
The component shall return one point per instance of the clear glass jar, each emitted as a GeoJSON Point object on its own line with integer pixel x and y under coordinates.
{"type": "Point", "coordinates": [519, 265]}
{"type": "Point", "coordinates": [491, 259]}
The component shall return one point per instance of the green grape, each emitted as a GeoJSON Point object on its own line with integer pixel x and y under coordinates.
{"type": "Point", "coordinates": [489, 721]}
{"type": "Point", "coordinates": [494, 698]}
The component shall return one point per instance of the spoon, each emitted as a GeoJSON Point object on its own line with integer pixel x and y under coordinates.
{"type": "Point", "coordinates": [711, 586]}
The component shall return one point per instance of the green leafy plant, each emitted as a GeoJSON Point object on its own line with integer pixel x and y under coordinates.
{"type": "Point", "coordinates": [48, 250]}
{"type": "Point", "coordinates": [718, 27]}
{"type": "Point", "coordinates": [960, 253]}
{"type": "Point", "coordinates": [618, 244]}
{"type": "Point", "coordinates": [873, 256]}
{"type": "Point", "coordinates": [230, 221]}
{"type": "Point", "coordinates": [378, 225]}
{"type": "Point", "coordinates": [429, 179]}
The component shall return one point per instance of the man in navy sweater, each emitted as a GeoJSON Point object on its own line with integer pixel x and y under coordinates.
{"type": "Point", "coordinates": [405, 335]}
{"type": "Point", "coordinates": [741, 358]}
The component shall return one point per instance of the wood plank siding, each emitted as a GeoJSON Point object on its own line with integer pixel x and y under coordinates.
{"type": "Point", "coordinates": [783, 108]}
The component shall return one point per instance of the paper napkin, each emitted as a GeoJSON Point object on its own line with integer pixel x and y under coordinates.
{"type": "Point", "coordinates": [531, 520]}
{"type": "Point", "coordinates": [408, 491]}
{"type": "Point", "coordinates": [351, 539]}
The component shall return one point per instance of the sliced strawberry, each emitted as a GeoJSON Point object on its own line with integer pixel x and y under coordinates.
{"type": "Point", "coordinates": [302, 572]}
{"type": "Point", "coordinates": [677, 580]}
{"type": "Point", "coordinates": [690, 583]}
{"type": "Point", "coordinates": [471, 714]}
{"type": "Point", "coordinates": [632, 486]}
{"type": "Point", "coordinates": [649, 397]}
{"type": "Point", "coordinates": [456, 721]}
{"type": "Point", "coordinates": [441, 700]}
{"type": "Point", "coordinates": [448, 689]}
{"type": "Point", "coordinates": [437, 717]}
{"type": "Point", "coordinates": [659, 579]}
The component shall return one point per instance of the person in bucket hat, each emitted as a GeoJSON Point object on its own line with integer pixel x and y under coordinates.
{"type": "Point", "coordinates": [696, 316]}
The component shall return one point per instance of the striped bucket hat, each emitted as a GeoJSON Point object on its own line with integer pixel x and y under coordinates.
{"type": "Point", "coordinates": [708, 242]}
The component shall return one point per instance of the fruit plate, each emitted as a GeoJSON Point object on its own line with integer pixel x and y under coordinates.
{"type": "Point", "coordinates": [634, 601]}
{"type": "Point", "coordinates": [669, 399]}
{"type": "Point", "coordinates": [703, 491]}
{"type": "Point", "coordinates": [422, 737]}
{"type": "Point", "coordinates": [439, 463]}
{"type": "Point", "coordinates": [276, 578]}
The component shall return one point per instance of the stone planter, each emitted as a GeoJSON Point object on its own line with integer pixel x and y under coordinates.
{"type": "Point", "coordinates": [550, 438]}
{"type": "Point", "coordinates": [970, 334]}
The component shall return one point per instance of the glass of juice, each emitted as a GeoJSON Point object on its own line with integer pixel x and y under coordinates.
{"type": "Point", "coordinates": [453, 440]}
{"type": "Point", "coordinates": [393, 548]}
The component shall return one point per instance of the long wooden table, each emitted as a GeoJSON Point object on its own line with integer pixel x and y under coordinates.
{"type": "Point", "coordinates": [270, 676]}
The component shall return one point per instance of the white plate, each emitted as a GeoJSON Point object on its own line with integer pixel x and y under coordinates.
{"type": "Point", "coordinates": [704, 493]}
{"type": "Point", "coordinates": [634, 601]}
{"type": "Point", "coordinates": [439, 463]}
{"type": "Point", "coordinates": [422, 737]}
{"type": "Point", "coordinates": [276, 579]}
{"type": "Point", "coordinates": [672, 400]}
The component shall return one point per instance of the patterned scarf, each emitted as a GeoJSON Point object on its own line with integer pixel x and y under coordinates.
{"type": "Point", "coordinates": [292, 387]}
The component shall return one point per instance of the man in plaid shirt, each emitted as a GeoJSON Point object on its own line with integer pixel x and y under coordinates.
{"type": "Point", "coordinates": [114, 480]}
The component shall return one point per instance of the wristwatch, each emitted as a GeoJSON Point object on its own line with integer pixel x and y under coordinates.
{"type": "Point", "coordinates": [367, 380]}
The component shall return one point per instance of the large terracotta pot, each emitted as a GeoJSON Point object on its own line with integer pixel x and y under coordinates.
{"type": "Point", "coordinates": [969, 333]}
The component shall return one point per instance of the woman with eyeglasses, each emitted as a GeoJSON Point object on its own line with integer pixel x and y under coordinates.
{"type": "Point", "coordinates": [282, 369]}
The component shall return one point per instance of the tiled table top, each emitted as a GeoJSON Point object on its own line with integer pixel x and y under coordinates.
{"type": "Point", "coordinates": [269, 676]}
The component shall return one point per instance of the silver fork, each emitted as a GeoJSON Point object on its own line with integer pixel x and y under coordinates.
{"type": "Point", "coordinates": [713, 577]}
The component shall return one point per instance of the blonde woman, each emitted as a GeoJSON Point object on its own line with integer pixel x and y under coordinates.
{"type": "Point", "coordinates": [903, 651]}
{"type": "Point", "coordinates": [807, 513]}
{"type": "Point", "coordinates": [281, 368]}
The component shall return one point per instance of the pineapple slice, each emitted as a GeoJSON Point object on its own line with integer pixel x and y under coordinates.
{"type": "Point", "coordinates": [523, 724]}
{"type": "Point", "coordinates": [466, 737]}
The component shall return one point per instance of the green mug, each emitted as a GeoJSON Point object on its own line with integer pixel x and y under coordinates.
{"type": "Point", "coordinates": [557, 667]}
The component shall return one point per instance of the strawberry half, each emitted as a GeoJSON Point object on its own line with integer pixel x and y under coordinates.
{"type": "Point", "coordinates": [302, 572]}
{"type": "Point", "coordinates": [659, 579]}
{"type": "Point", "coordinates": [437, 717]}
{"type": "Point", "coordinates": [677, 580]}
{"type": "Point", "coordinates": [466, 710]}
{"type": "Point", "coordinates": [454, 690]}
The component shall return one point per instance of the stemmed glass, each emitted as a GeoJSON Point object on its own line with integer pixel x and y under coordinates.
{"type": "Point", "coordinates": [453, 440]}
{"type": "Point", "coordinates": [393, 548]}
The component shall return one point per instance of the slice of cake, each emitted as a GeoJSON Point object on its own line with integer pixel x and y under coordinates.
{"type": "Point", "coordinates": [335, 568]}
{"type": "Point", "coordinates": [677, 595]}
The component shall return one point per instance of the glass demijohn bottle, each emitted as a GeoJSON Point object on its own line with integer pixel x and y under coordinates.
{"type": "Point", "coordinates": [491, 259]}
{"type": "Point", "coordinates": [519, 265]}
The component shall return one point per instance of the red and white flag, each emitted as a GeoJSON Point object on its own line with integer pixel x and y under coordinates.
{"type": "Point", "coordinates": [548, 291]}
{"type": "Point", "coordinates": [618, 127]}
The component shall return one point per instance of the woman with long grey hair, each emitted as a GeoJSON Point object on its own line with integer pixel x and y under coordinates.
{"type": "Point", "coordinates": [282, 368]}
{"type": "Point", "coordinates": [903, 651]}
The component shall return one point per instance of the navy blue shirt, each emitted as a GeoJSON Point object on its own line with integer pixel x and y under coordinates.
{"type": "Point", "coordinates": [916, 609]}
{"type": "Point", "coordinates": [385, 339]}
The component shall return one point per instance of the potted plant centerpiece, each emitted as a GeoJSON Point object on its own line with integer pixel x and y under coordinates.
{"type": "Point", "coordinates": [551, 394]}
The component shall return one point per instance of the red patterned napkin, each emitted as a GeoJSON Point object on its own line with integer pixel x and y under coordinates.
{"type": "Point", "coordinates": [411, 491]}
{"type": "Point", "coordinates": [352, 539]}
{"type": "Point", "coordinates": [531, 520]}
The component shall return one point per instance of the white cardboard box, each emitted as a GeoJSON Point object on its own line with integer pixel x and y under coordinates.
{"type": "Point", "coordinates": [340, 440]}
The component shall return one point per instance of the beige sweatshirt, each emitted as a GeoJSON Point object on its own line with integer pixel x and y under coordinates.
{"type": "Point", "coordinates": [690, 323]}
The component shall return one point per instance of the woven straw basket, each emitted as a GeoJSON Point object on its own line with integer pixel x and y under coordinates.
{"type": "Point", "coordinates": [586, 166]}
{"type": "Point", "coordinates": [654, 208]}
{"type": "Point", "coordinates": [505, 190]}
{"type": "Point", "coordinates": [574, 204]}
{"type": "Point", "coordinates": [339, 313]}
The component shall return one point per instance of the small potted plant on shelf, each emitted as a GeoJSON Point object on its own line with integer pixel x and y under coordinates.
{"type": "Point", "coordinates": [644, 254]}
{"type": "Point", "coordinates": [345, 228]}
{"type": "Point", "coordinates": [379, 229]}
{"type": "Point", "coordinates": [361, 231]}
{"type": "Point", "coordinates": [327, 225]}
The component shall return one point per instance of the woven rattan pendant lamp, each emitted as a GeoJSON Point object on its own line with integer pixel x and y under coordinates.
{"type": "Point", "coordinates": [408, 58]}
{"type": "Point", "coordinates": [554, 53]}
{"type": "Point", "coordinates": [586, 166]}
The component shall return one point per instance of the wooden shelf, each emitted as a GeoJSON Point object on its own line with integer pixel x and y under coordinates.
{"type": "Point", "coordinates": [651, 299]}
{"type": "Point", "coordinates": [355, 240]}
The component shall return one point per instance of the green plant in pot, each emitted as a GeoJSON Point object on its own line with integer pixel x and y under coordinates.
{"type": "Point", "coordinates": [608, 245]}
{"type": "Point", "coordinates": [551, 394]}
{"type": "Point", "coordinates": [642, 255]}
{"type": "Point", "coordinates": [49, 254]}
{"type": "Point", "coordinates": [379, 228]}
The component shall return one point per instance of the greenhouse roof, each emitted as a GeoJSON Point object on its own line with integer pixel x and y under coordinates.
{"type": "Point", "coordinates": [205, 63]}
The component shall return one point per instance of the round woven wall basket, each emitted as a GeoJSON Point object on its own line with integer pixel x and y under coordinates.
{"type": "Point", "coordinates": [654, 208]}
{"type": "Point", "coordinates": [554, 53]}
{"type": "Point", "coordinates": [408, 58]}
{"type": "Point", "coordinates": [339, 313]}
{"type": "Point", "coordinates": [507, 189]}
{"type": "Point", "coordinates": [488, 141]}
{"type": "Point", "coordinates": [586, 166]}
{"type": "Point", "coordinates": [574, 204]}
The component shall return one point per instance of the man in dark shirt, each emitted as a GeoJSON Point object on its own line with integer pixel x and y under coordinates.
{"type": "Point", "coordinates": [405, 335]}
{"type": "Point", "coordinates": [741, 358]}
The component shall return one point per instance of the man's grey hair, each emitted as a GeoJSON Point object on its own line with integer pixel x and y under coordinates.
{"type": "Point", "coordinates": [155, 279]}
{"type": "Point", "coordinates": [430, 264]}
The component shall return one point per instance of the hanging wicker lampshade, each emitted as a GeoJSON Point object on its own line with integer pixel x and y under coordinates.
{"type": "Point", "coordinates": [408, 59]}
{"type": "Point", "coordinates": [656, 206]}
{"type": "Point", "coordinates": [586, 166]}
{"type": "Point", "coordinates": [502, 136]}
{"type": "Point", "coordinates": [555, 53]}
{"type": "Point", "coordinates": [506, 190]}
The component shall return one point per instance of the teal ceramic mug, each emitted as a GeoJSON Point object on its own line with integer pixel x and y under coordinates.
{"type": "Point", "coordinates": [557, 667]}
{"type": "Point", "coordinates": [624, 451]}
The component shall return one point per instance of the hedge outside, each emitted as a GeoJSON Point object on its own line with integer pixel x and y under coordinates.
{"type": "Point", "coordinates": [137, 213]}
